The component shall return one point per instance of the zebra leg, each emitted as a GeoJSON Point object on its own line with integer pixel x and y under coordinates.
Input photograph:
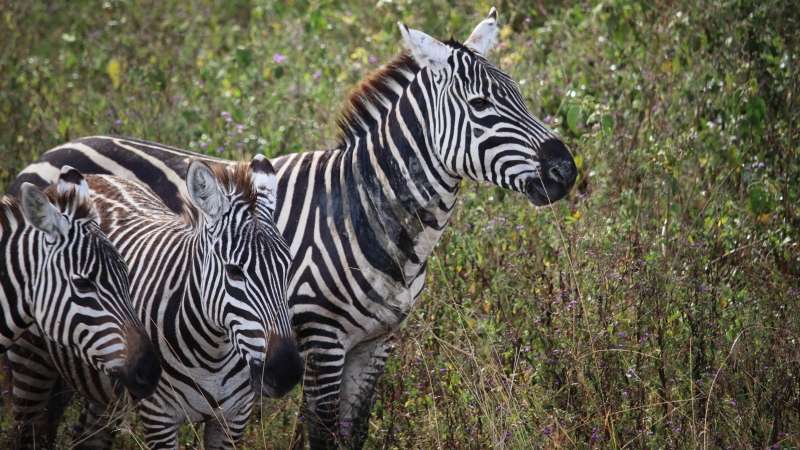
{"type": "Point", "coordinates": [95, 429]}
{"type": "Point", "coordinates": [321, 386]}
{"type": "Point", "coordinates": [39, 395]}
{"type": "Point", "coordinates": [363, 367]}
{"type": "Point", "coordinates": [161, 435]}
{"type": "Point", "coordinates": [223, 433]}
{"type": "Point", "coordinates": [159, 424]}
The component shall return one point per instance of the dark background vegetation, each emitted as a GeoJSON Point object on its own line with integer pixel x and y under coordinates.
{"type": "Point", "coordinates": [657, 307]}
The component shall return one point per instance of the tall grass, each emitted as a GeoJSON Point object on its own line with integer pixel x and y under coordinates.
{"type": "Point", "coordinates": [656, 308]}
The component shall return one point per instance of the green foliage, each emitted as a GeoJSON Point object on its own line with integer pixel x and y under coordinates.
{"type": "Point", "coordinates": [656, 307]}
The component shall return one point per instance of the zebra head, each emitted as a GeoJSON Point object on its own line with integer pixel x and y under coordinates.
{"type": "Point", "coordinates": [480, 126]}
{"type": "Point", "coordinates": [81, 298]}
{"type": "Point", "coordinates": [250, 264]}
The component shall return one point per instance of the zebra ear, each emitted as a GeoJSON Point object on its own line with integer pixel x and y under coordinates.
{"type": "Point", "coordinates": [265, 182]}
{"type": "Point", "coordinates": [71, 179]}
{"type": "Point", "coordinates": [426, 50]}
{"type": "Point", "coordinates": [205, 191]}
{"type": "Point", "coordinates": [40, 213]}
{"type": "Point", "coordinates": [484, 36]}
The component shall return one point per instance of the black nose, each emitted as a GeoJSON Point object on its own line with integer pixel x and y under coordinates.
{"type": "Point", "coordinates": [282, 370]}
{"type": "Point", "coordinates": [143, 369]}
{"type": "Point", "coordinates": [557, 173]}
{"type": "Point", "coordinates": [558, 164]}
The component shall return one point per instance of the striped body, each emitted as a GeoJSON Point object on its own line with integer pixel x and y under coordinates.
{"type": "Point", "coordinates": [361, 219]}
{"type": "Point", "coordinates": [212, 327]}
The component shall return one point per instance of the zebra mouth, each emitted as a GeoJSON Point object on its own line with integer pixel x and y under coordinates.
{"type": "Point", "coordinates": [557, 174]}
{"type": "Point", "coordinates": [282, 370]}
{"type": "Point", "coordinates": [541, 191]}
{"type": "Point", "coordinates": [261, 382]}
{"type": "Point", "coordinates": [139, 385]}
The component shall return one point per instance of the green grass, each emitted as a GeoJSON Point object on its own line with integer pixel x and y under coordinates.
{"type": "Point", "coordinates": [657, 307]}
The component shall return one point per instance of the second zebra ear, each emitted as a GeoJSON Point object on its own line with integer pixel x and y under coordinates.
{"type": "Point", "coordinates": [40, 213]}
{"type": "Point", "coordinates": [205, 191]}
{"type": "Point", "coordinates": [484, 36]}
{"type": "Point", "coordinates": [426, 50]}
{"type": "Point", "coordinates": [71, 179]}
{"type": "Point", "coordinates": [265, 182]}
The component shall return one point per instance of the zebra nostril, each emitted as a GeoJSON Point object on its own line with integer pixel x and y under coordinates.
{"type": "Point", "coordinates": [555, 174]}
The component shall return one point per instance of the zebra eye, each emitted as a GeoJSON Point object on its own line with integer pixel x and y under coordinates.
{"type": "Point", "coordinates": [234, 273]}
{"type": "Point", "coordinates": [480, 103]}
{"type": "Point", "coordinates": [83, 285]}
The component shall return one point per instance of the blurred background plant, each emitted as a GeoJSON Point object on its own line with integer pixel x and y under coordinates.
{"type": "Point", "coordinates": [656, 308]}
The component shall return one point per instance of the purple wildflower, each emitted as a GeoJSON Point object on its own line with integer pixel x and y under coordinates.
{"type": "Point", "coordinates": [226, 116]}
{"type": "Point", "coordinates": [279, 58]}
{"type": "Point", "coordinates": [317, 75]}
{"type": "Point", "coordinates": [239, 128]}
{"type": "Point", "coordinates": [372, 59]}
{"type": "Point", "coordinates": [548, 431]}
{"type": "Point", "coordinates": [572, 304]}
{"type": "Point", "coordinates": [118, 122]}
{"type": "Point", "coordinates": [346, 427]}
{"type": "Point", "coordinates": [220, 149]}
{"type": "Point", "coordinates": [595, 435]}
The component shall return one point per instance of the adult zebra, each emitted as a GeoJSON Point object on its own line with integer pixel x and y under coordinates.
{"type": "Point", "coordinates": [61, 274]}
{"type": "Point", "coordinates": [210, 286]}
{"type": "Point", "coordinates": [363, 217]}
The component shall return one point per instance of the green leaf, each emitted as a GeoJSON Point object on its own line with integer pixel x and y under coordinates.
{"type": "Point", "coordinates": [574, 118]}
{"type": "Point", "coordinates": [758, 200]}
{"type": "Point", "coordinates": [607, 123]}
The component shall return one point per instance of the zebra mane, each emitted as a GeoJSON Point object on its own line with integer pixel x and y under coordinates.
{"type": "Point", "coordinates": [377, 91]}
{"type": "Point", "coordinates": [373, 93]}
{"type": "Point", "coordinates": [71, 204]}
{"type": "Point", "coordinates": [67, 202]}
{"type": "Point", "coordinates": [236, 178]}
{"type": "Point", "coordinates": [233, 178]}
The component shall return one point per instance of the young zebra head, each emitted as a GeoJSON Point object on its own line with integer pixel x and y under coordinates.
{"type": "Point", "coordinates": [246, 266]}
{"type": "Point", "coordinates": [74, 285]}
{"type": "Point", "coordinates": [480, 126]}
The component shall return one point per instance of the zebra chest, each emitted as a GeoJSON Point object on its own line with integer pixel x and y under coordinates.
{"type": "Point", "coordinates": [195, 393]}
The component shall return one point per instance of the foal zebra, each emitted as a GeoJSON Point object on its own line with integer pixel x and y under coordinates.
{"type": "Point", "coordinates": [61, 273]}
{"type": "Point", "coordinates": [362, 218]}
{"type": "Point", "coordinates": [210, 286]}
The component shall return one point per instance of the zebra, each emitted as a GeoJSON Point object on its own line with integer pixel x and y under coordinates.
{"type": "Point", "coordinates": [62, 276]}
{"type": "Point", "coordinates": [362, 218]}
{"type": "Point", "coordinates": [210, 286]}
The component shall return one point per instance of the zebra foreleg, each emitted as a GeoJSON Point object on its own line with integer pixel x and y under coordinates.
{"type": "Point", "coordinates": [160, 427]}
{"type": "Point", "coordinates": [95, 429]}
{"type": "Point", "coordinates": [223, 433]}
{"type": "Point", "coordinates": [322, 383]}
{"type": "Point", "coordinates": [363, 367]}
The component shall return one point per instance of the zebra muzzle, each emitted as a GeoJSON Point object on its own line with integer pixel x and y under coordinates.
{"type": "Point", "coordinates": [282, 370]}
{"type": "Point", "coordinates": [558, 174]}
{"type": "Point", "coordinates": [142, 370]}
